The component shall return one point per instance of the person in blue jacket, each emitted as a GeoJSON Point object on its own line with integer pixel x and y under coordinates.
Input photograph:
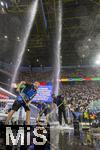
{"type": "Point", "coordinates": [26, 92]}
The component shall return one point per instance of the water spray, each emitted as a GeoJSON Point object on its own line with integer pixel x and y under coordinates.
{"type": "Point", "coordinates": [57, 49]}
{"type": "Point", "coordinates": [30, 19]}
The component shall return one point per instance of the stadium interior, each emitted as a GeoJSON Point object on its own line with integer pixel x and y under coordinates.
{"type": "Point", "coordinates": [59, 47]}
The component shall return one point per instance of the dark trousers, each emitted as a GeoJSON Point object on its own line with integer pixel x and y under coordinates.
{"type": "Point", "coordinates": [60, 112]}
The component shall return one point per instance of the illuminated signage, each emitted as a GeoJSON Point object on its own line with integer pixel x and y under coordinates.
{"type": "Point", "coordinates": [43, 94]}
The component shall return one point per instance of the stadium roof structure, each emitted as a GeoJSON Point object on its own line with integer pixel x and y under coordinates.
{"type": "Point", "coordinates": [80, 34]}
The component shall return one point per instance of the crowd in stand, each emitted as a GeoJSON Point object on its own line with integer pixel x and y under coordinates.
{"type": "Point", "coordinates": [47, 73]}
{"type": "Point", "coordinates": [33, 76]}
{"type": "Point", "coordinates": [80, 95]}
{"type": "Point", "coordinates": [82, 91]}
{"type": "Point", "coordinates": [81, 72]}
{"type": "Point", "coordinates": [65, 73]}
{"type": "Point", "coordinates": [77, 94]}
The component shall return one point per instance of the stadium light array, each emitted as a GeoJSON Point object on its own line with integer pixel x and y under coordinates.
{"type": "Point", "coordinates": [5, 36]}
{"type": "Point", "coordinates": [2, 3]}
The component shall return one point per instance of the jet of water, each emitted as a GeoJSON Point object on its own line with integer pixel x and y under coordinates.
{"type": "Point", "coordinates": [30, 19]}
{"type": "Point", "coordinates": [57, 47]}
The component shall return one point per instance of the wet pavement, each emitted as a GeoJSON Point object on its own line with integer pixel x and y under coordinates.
{"type": "Point", "coordinates": [63, 138]}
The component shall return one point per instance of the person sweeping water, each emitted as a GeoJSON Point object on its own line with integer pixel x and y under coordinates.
{"type": "Point", "coordinates": [26, 92]}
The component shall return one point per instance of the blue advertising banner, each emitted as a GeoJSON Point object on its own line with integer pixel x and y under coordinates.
{"type": "Point", "coordinates": [43, 94]}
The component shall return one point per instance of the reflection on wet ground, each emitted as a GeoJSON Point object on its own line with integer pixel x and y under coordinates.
{"type": "Point", "coordinates": [64, 139]}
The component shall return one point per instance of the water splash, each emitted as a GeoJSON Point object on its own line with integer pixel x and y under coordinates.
{"type": "Point", "coordinates": [57, 49]}
{"type": "Point", "coordinates": [30, 19]}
